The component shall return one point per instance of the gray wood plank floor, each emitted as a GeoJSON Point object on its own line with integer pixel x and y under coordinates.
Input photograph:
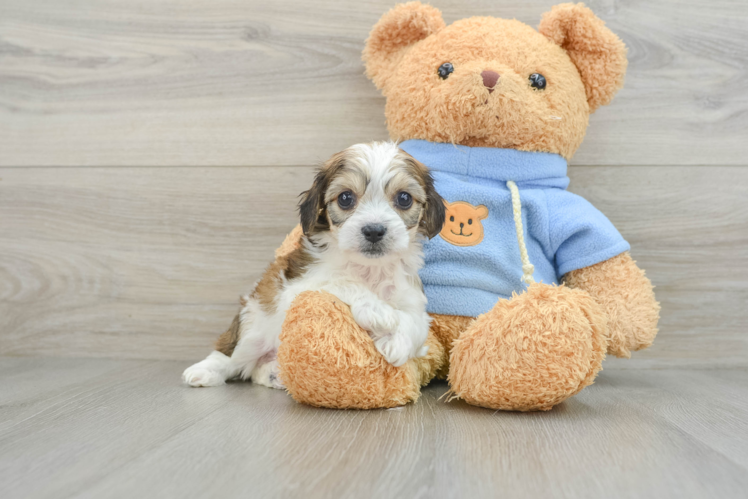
{"type": "Point", "coordinates": [128, 428]}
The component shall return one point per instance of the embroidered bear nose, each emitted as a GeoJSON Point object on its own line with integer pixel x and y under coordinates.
{"type": "Point", "coordinates": [489, 79]}
{"type": "Point", "coordinates": [461, 224]}
{"type": "Point", "coordinates": [374, 232]}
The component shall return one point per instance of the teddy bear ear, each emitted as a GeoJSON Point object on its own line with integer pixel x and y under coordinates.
{"type": "Point", "coordinates": [401, 27]}
{"type": "Point", "coordinates": [598, 54]}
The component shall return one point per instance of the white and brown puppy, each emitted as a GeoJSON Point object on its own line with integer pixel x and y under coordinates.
{"type": "Point", "coordinates": [364, 220]}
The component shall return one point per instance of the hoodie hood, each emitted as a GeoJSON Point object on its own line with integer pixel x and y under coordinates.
{"type": "Point", "coordinates": [527, 169]}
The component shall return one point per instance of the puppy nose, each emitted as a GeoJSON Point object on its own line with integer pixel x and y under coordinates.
{"type": "Point", "coordinates": [489, 79]}
{"type": "Point", "coordinates": [373, 232]}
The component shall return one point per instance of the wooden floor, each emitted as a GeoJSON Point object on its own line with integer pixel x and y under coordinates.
{"type": "Point", "coordinates": [128, 428]}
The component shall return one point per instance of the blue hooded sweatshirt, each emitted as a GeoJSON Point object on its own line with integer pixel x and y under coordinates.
{"type": "Point", "coordinates": [562, 231]}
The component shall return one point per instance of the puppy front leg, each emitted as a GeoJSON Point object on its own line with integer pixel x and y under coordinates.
{"type": "Point", "coordinates": [415, 325]}
{"type": "Point", "coordinates": [408, 339]}
{"type": "Point", "coordinates": [387, 327]}
{"type": "Point", "coordinates": [374, 315]}
{"type": "Point", "coordinates": [380, 319]}
{"type": "Point", "coordinates": [369, 311]}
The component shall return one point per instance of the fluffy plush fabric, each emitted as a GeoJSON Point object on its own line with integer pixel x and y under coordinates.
{"type": "Point", "coordinates": [291, 242]}
{"type": "Point", "coordinates": [598, 54]}
{"type": "Point", "coordinates": [327, 360]}
{"type": "Point", "coordinates": [627, 297]}
{"type": "Point", "coordinates": [447, 329]}
{"type": "Point", "coordinates": [530, 352]}
{"type": "Point", "coordinates": [564, 232]}
{"type": "Point", "coordinates": [401, 27]}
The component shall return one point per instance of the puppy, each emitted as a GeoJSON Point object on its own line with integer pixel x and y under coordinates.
{"type": "Point", "coordinates": [364, 220]}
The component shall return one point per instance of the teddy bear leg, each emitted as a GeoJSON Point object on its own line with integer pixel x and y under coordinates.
{"type": "Point", "coordinates": [327, 360]}
{"type": "Point", "coordinates": [530, 352]}
{"type": "Point", "coordinates": [447, 328]}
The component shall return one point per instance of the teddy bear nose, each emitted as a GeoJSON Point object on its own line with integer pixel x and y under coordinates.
{"type": "Point", "coordinates": [489, 79]}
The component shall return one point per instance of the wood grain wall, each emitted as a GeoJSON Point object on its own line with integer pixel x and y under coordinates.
{"type": "Point", "coordinates": [151, 153]}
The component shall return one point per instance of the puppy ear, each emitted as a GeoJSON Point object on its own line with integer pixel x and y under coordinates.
{"type": "Point", "coordinates": [598, 54]}
{"type": "Point", "coordinates": [433, 213]}
{"type": "Point", "coordinates": [312, 207]}
{"type": "Point", "coordinates": [401, 27]}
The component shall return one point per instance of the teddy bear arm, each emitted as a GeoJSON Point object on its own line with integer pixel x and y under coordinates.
{"type": "Point", "coordinates": [627, 297]}
{"type": "Point", "coordinates": [290, 243]}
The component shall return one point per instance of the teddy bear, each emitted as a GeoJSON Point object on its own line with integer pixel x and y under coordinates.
{"type": "Point", "coordinates": [528, 285]}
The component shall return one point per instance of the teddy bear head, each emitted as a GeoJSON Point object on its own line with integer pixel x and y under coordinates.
{"type": "Point", "coordinates": [491, 82]}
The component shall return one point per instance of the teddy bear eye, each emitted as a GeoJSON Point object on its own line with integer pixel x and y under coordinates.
{"type": "Point", "coordinates": [470, 221]}
{"type": "Point", "coordinates": [537, 81]}
{"type": "Point", "coordinates": [451, 218]}
{"type": "Point", "coordinates": [444, 70]}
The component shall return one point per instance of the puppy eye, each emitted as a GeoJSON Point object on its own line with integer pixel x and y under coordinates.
{"type": "Point", "coordinates": [403, 200]}
{"type": "Point", "coordinates": [470, 221]}
{"type": "Point", "coordinates": [445, 70]}
{"type": "Point", "coordinates": [451, 218]}
{"type": "Point", "coordinates": [345, 200]}
{"type": "Point", "coordinates": [537, 81]}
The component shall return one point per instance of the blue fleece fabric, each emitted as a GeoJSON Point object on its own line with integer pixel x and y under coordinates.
{"type": "Point", "coordinates": [563, 231]}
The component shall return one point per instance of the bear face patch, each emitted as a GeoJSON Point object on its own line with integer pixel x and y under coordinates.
{"type": "Point", "coordinates": [463, 226]}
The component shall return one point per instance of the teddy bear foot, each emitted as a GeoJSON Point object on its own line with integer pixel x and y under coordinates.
{"type": "Point", "coordinates": [531, 352]}
{"type": "Point", "coordinates": [327, 360]}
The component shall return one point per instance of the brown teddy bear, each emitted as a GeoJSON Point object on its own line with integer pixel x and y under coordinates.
{"type": "Point", "coordinates": [528, 285]}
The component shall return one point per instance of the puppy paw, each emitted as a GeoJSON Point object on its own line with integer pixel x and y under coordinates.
{"type": "Point", "coordinates": [378, 318]}
{"type": "Point", "coordinates": [275, 381]}
{"type": "Point", "coordinates": [200, 376]}
{"type": "Point", "coordinates": [396, 349]}
{"type": "Point", "coordinates": [268, 374]}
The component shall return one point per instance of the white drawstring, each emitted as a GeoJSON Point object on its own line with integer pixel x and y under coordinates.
{"type": "Point", "coordinates": [527, 267]}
